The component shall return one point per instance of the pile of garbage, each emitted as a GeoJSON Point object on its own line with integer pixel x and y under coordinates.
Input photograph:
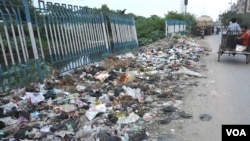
{"type": "Point", "coordinates": [114, 100]}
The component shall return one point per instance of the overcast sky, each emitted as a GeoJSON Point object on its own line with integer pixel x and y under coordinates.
{"type": "Point", "coordinates": [157, 7]}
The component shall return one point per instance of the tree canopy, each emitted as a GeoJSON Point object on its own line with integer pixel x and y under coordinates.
{"type": "Point", "coordinates": [188, 17]}
{"type": "Point", "coordinates": [242, 19]}
{"type": "Point", "coordinates": [15, 3]}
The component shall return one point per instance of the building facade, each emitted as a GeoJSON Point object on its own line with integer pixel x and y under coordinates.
{"type": "Point", "coordinates": [242, 6]}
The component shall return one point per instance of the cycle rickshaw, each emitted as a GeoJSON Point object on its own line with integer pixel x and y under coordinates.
{"type": "Point", "coordinates": [228, 46]}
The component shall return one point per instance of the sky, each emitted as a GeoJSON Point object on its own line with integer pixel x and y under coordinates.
{"type": "Point", "coordinates": [147, 8]}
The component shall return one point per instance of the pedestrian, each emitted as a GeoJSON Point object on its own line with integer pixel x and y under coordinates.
{"type": "Point", "coordinates": [243, 40]}
{"type": "Point", "coordinates": [233, 28]}
{"type": "Point", "coordinates": [202, 32]}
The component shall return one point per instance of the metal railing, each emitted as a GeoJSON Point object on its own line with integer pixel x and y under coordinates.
{"type": "Point", "coordinates": [175, 27]}
{"type": "Point", "coordinates": [65, 37]}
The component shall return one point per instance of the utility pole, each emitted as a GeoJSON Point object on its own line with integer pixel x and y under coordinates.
{"type": "Point", "coordinates": [246, 5]}
{"type": "Point", "coordinates": [185, 3]}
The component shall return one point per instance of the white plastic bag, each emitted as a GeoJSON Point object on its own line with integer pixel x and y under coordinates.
{"type": "Point", "coordinates": [131, 118]}
{"type": "Point", "coordinates": [135, 93]}
{"type": "Point", "coordinates": [186, 71]}
{"type": "Point", "coordinates": [34, 97]}
{"type": "Point", "coordinates": [240, 48]}
{"type": "Point", "coordinates": [92, 112]}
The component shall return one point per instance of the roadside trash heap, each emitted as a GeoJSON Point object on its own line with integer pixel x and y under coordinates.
{"type": "Point", "coordinates": [117, 99]}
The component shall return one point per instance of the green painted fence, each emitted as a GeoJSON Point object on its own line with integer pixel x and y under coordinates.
{"type": "Point", "coordinates": [33, 40]}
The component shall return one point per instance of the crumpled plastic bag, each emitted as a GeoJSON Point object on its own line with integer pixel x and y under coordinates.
{"type": "Point", "coordinates": [45, 129]}
{"type": "Point", "coordinates": [240, 48]}
{"type": "Point", "coordinates": [127, 55]}
{"type": "Point", "coordinates": [80, 88]}
{"type": "Point", "coordinates": [127, 77]}
{"type": "Point", "coordinates": [147, 117]}
{"type": "Point", "coordinates": [8, 107]}
{"type": "Point", "coordinates": [8, 121]}
{"type": "Point", "coordinates": [131, 118]}
{"type": "Point", "coordinates": [78, 102]}
{"type": "Point", "coordinates": [186, 71]}
{"type": "Point", "coordinates": [102, 76]}
{"type": "Point", "coordinates": [104, 98]}
{"type": "Point", "coordinates": [34, 97]}
{"type": "Point", "coordinates": [67, 108]}
{"type": "Point", "coordinates": [135, 93]}
{"type": "Point", "coordinates": [22, 120]}
{"type": "Point", "coordinates": [93, 111]}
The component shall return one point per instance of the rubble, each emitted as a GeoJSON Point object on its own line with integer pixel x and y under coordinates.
{"type": "Point", "coordinates": [117, 99]}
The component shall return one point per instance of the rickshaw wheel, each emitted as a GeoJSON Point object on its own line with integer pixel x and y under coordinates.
{"type": "Point", "coordinates": [247, 59]}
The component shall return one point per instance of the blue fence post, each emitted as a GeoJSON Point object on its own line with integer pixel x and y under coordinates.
{"type": "Point", "coordinates": [41, 5]}
{"type": "Point", "coordinates": [1, 79]}
{"type": "Point", "coordinates": [135, 33]}
{"type": "Point", "coordinates": [104, 32]}
{"type": "Point", "coordinates": [32, 37]}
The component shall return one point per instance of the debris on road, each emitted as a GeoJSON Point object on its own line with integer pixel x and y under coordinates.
{"type": "Point", "coordinates": [205, 117]}
{"type": "Point", "coordinates": [117, 99]}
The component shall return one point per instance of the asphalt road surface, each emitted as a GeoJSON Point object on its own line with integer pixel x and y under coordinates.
{"type": "Point", "coordinates": [224, 94]}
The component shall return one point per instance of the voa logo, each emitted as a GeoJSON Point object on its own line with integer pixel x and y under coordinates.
{"type": "Point", "coordinates": [236, 132]}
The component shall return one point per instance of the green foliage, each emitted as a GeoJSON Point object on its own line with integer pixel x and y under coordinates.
{"type": "Point", "coordinates": [23, 73]}
{"type": "Point", "coordinates": [188, 17]}
{"type": "Point", "coordinates": [16, 3]}
{"type": "Point", "coordinates": [226, 17]}
{"type": "Point", "coordinates": [153, 28]}
{"type": "Point", "coordinates": [105, 8]}
{"type": "Point", "coordinates": [174, 15]}
{"type": "Point", "coordinates": [242, 19]}
{"type": "Point", "coordinates": [149, 29]}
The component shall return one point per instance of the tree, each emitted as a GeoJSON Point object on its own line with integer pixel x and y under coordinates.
{"type": "Point", "coordinates": [242, 19]}
{"type": "Point", "coordinates": [149, 29]}
{"type": "Point", "coordinates": [9, 4]}
{"type": "Point", "coordinates": [227, 17]}
{"type": "Point", "coordinates": [174, 15]}
{"type": "Point", "coordinates": [188, 17]}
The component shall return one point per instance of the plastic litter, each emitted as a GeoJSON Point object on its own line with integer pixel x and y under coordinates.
{"type": "Point", "coordinates": [147, 117]}
{"type": "Point", "coordinates": [80, 88]}
{"type": "Point", "coordinates": [67, 108]}
{"type": "Point", "coordinates": [149, 99]}
{"type": "Point", "coordinates": [186, 71]}
{"type": "Point", "coordinates": [135, 93]}
{"type": "Point", "coordinates": [120, 98]}
{"type": "Point", "coordinates": [34, 97]}
{"type": "Point", "coordinates": [185, 115]}
{"type": "Point", "coordinates": [177, 103]}
{"type": "Point", "coordinates": [92, 112]}
{"type": "Point", "coordinates": [130, 119]}
{"type": "Point", "coordinates": [45, 129]}
{"type": "Point", "coordinates": [22, 120]}
{"type": "Point", "coordinates": [101, 76]}
{"type": "Point", "coordinates": [35, 114]}
{"type": "Point", "coordinates": [8, 121]}
{"type": "Point", "coordinates": [169, 109]}
{"type": "Point", "coordinates": [164, 121]}
{"type": "Point", "coordinates": [50, 94]}
{"type": "Point", "coordinates": [8, 109]}
{"type": "Point", "coordinates": [205, 117]}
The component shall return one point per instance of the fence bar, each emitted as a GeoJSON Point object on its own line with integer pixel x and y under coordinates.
{"type": "Point", "coordinates": [32, 37]}
{"type": "Point", "coordinates": [62, 36]}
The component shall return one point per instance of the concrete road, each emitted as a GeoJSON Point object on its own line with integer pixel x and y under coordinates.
{"type": "Point", "coordinates": [225, 96]}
